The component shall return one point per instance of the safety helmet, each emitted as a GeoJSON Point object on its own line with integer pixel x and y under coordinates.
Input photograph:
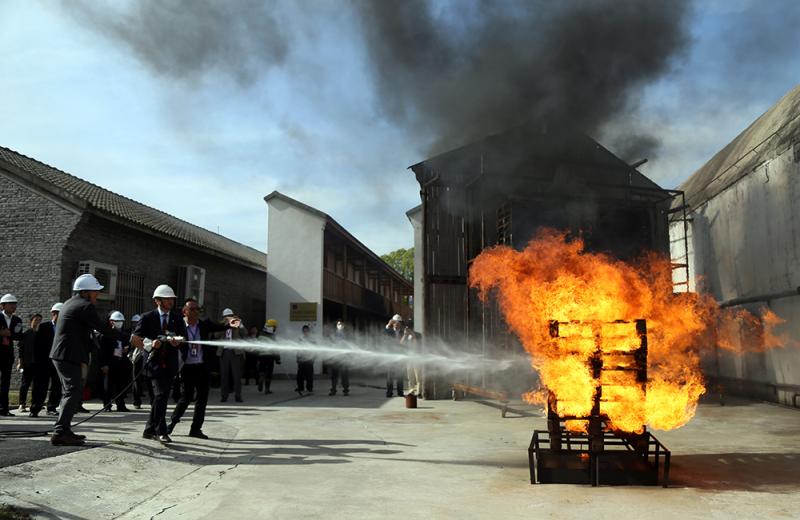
{"type": "Point", "coordinates": [164, 291]}
{"type": "Point", "coordinates": [227, 312]}
{"type": "Point", "coordinates": [86, 282]}
{"type": "Point", "coordinates": [272, 323]}
{"type": "Point", "coordinates": [135, 318]}
{"type": "Point", "coordinates": [397, 317]}
{"type": "Point", "coordinates": [117, 316]}
{"type": "Point", "coordinates": [56, 307]}
{"type": "Point", "coordinates": [8, 298]}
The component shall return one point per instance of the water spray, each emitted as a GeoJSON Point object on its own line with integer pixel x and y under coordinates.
{"type": "Point", "coordinates": [355, 356]}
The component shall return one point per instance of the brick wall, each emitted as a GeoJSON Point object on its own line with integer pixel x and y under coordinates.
{"type": "Point", "coordinates": [35, 229]}
{"type": "Point", "coordinates": [241, 288]}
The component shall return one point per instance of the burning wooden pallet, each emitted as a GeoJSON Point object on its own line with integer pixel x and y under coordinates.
{"type": "Point", "coordinates": [596, 433]}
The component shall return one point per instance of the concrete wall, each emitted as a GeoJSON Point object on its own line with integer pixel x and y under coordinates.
{"type": "Point", "coordinates": [295, 239]}
{"type": "Point", "coordinates": [745, 243]}
{"type": "Point", "coordinates": [419, 270]}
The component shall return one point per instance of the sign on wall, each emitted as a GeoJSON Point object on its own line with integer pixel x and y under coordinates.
{"type": "Point", "coordinates": [303, 311]}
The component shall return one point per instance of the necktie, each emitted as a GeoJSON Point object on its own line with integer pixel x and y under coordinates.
{"type": "Point", "coordinates": [164, 322]}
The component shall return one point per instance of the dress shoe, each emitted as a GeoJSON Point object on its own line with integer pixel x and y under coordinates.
{"type": "Point", "coordinates": [148, 435]}
{"type": "Point", "coordinates": [223, 400]}
{"type": "Point", "coordinates": [164, 439]}
{"type": "Point", "coordinates": [123, 408]}
{"type": "Point", "coordinates": [346, 393]}
{"type": "Point", "coordinates": [6, 413]}
{"type": "Point", "coordinates": [267, 392]}
{"type": "Point", "coordinates": [65, 440]}
{"type": "Point", "coordinates": [332, 392]}
{"type": "Point", "coordinates": [82, 409]}
{"type": "Point", "coordinates": [198, 434]}
{"type": "Point", "coordinates": [52, 412]}
{"type": "Point", "coordinates": [138, 406]}
{"type": "Point", "coordinates": [170, 427]}
{"type": "Point", "coordinates": [33, 414]}
{"type": "Point", "coordinates": [239, 400]}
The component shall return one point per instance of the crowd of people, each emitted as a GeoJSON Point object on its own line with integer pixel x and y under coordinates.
{"type": "Point", "coordinates": [159, 355]}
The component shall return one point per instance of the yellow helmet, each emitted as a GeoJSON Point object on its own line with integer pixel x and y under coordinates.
{"type": "Point", "coordinates": [272, 323]}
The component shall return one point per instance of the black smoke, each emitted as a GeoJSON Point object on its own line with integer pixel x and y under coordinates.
{"type": "Point", "coordinates": [189, 39]}
{"type": "Point", "coordinates": [449, 71]}
{"type": "Point", "coordinates": [465, 69]}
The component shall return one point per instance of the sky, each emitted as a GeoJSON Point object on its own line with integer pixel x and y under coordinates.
{"type": "Point", "coordinates": [205, 139]}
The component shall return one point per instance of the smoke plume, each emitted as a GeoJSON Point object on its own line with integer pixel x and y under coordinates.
{"type": "Point", "coordinates": [462, 70]}
{"type": "Point", "coordinates": [186, 39]}
{"type": "Point", "coordinates": [448, 72]}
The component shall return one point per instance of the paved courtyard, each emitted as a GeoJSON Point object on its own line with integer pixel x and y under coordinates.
{"type": "Point", "coordinates": [366, 456]}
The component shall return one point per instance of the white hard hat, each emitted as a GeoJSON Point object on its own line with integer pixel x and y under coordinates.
{"type": "Point", "coordinates": [8, 298]}
{"type": "Point", "coordinates": [135, 318]}
{"type": "Point", "coordinates": [397, 317]}
{"type": "Point", "coordinates": [227, 312]}
{"type": "Point", "coordinates": [164, 291]}
{"type": "Point", "coordinates": [56, 307]}
{"type": "Point", "coordinates": [86, 282]}
{"type": "Point", "coordinates": [117, 316]}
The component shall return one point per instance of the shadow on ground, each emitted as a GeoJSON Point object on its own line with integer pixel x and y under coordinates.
{"type": "Point", "coordinates": [767, 472]}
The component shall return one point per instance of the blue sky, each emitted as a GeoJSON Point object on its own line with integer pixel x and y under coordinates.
{"type": "Point", "coordinates": [207, 148]}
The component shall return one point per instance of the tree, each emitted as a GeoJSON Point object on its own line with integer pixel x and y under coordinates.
{"type": "Point", "coordinates": [402, 261]}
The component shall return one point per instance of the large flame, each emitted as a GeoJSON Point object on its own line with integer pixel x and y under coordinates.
{"type": "Point", "coordinates": [555, 280]}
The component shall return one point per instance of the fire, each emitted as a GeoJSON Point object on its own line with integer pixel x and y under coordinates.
{"type": "Point", "coordinates": [593, 302]}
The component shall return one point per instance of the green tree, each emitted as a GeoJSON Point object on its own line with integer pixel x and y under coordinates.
{"type": "Point", "coordinates": [402, 260]}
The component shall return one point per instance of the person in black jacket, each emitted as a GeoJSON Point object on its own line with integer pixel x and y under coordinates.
{"type": "Point", "coordinates": [114, 365]}
{"type": "Point", "coordinates": [46, 374]}
{"type": "Point", "coordinates": [25, 364]}
{"type": "Point", "coordinates": [195, 374]}
{"type": "Point", "coordinates": [76, 321]}
{"type": "Point", "coordinates": [161, 357]}
{"type": "Point", "coordinates": [10, 331]}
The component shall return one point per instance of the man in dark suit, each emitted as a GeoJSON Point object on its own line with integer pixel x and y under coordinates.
{"type": "Point", "coordinates": [46, 374]}
{"type": "Point", "coordinates": [195, 374]}
{"type": "Point", "coordinates": [25, 364]}
{"type": "Point", "coordinates": [76, 321]}
{"type": "Point", "coordinates": [10, 331]}
{"type": "Point", "coordinates": [161, 357]}
{"type": "Point", "coordinates": [115, 366]}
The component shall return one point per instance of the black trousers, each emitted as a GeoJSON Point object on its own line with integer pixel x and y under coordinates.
{"type": "Point", "coordinates": [266, 367]}
{"type": "Point", "coordinates": [394, 378]}
{"type": "Point", "coordinates": [28, 375]}
{"type": "Point", "coordinates": [157, 421]}
{"type": "Point", "coordinates": [46, 378]}
{"type": "Point", "coordinates": [342, 371]}
{"type": "Point", "coordinates": [140, 383]}
{"type": "Point", "coordinates": [6, 365]}
{"type": "Point", "coordinates": [72, 385]}
{"type": "Point", "coordinates": [117, 379]}
{"type": "Point", "coordinates": [305, 374]}
{"type": "Point", "coordinates": [193, 378]}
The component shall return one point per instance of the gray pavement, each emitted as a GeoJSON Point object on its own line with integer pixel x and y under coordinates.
{"type": "Point", "coordinates": [366, 456]}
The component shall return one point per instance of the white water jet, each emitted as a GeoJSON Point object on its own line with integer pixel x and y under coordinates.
{"type": "Point", "coordinates": [351, 354]}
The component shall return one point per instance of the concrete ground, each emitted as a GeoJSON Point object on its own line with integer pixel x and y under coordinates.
{"type": "Point", "coordinates": [366, 456]}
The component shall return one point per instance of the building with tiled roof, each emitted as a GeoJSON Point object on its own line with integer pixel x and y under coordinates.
{"type": "Point", "coordinates": [57, 226]}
